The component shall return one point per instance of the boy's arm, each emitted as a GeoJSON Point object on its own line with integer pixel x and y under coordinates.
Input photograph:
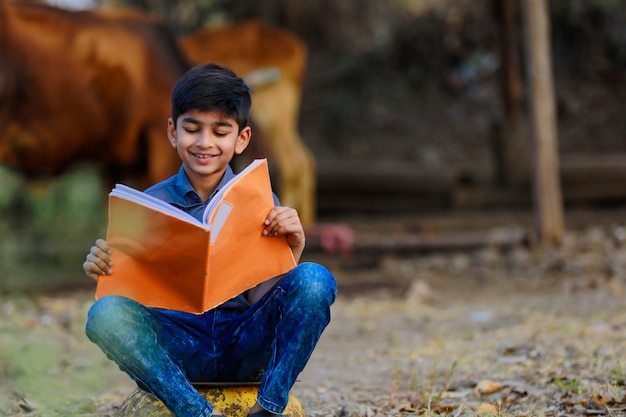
{"type": "Point", "coordinates": [98, 261]}
{"type": "Point", "coordinates": [284, 221]}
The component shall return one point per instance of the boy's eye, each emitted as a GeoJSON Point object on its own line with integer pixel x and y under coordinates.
{"type": "Point", "coordinates": [221, 134]}
{"type": "Point", "coordinates": [190, 129]}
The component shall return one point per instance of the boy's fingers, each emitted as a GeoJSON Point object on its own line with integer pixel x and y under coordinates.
{"type": "Point", "coordinates": [103, 246]}
{"type": "Point", "coordinates": [284, 215]}
{"type": "Point", "coordinates": [282, 220]}
{"type": "Point", "coordinates": [100, 253]}
{"type": "Point", "coordinates": [88, 271]}
{"type": "Point", "coordinates": [97, 262]}
{"type": "Point", "coordinates": [96, 265]}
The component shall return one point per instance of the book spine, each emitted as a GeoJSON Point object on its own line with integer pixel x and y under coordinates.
{"type": "Point", "coordinates": [207, 275]}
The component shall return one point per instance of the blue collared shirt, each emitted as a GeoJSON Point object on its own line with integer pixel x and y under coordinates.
{"type": "Point", "coordinates": [178, 191]}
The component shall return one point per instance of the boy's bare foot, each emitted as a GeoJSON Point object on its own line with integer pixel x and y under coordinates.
{"type": "Point", "coordinates": [265, 413]}
{"type": "Point", "coordinates": [255, 408]}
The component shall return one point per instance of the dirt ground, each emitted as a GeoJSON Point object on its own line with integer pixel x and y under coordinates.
{"type": "Point", "coordinates": [521, 332]}
{"type": "Point", "coordinates": [526, 332]}
{"type": "Point", "coordinates": [522, 355]}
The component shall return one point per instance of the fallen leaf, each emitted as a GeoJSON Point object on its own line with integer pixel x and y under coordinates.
{"type": "Point", "coordinates": [599, 400]}
{"type": "Point", "coordinates": [406, 407]}
{"type": "Point", "coordinates": [444, 408]}
{"type": "Point", "coordinates": [487, 387]}
{"type": "Point", "coordinates": [486, 409]}
{"type": "Point", "coordinates": [456, 394]}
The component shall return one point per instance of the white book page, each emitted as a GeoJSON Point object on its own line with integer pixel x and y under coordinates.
{"type": "Point", "coordinates": [131, 194]}
{"type": "Point", "coordinates": [217, 197]}
{"type": "Point", "coordinates": [220, 218]}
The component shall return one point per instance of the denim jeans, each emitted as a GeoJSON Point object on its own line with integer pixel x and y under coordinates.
{"type": "Point", "coordinates": [164, 351]}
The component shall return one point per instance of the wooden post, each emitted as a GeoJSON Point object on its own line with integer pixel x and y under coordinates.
{"type": "Point", "coordinates": [547, 189]}
{"type": "Point", "coordinates": [510, 140]}
{"type": "Point", "coordinates": [512, 93]}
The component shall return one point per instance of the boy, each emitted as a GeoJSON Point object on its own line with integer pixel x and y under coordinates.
{"type": "Point", "coordinates": [266, 334]}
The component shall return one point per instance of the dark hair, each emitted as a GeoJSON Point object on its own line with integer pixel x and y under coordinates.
{"type": "Point", "coordinates": [211, 87]}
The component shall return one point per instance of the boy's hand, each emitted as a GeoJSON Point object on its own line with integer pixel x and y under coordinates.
{"type": "Point", "coordinates": [284, 221]}
{"type": "Point", "coordinates": [98, 261]}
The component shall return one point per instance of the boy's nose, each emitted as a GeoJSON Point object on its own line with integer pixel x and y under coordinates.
{"type": "Point", "coordinates": [205, 140]}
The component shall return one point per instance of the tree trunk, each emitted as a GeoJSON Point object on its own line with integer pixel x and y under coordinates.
{"type": "Point", "coordinates": [547, 190]}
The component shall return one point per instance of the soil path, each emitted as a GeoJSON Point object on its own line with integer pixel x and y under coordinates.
{"type": "Point", "coordinates": [520, 332]}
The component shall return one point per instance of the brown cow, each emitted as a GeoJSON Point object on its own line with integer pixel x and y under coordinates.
{"type": "Point", "coordinates": [86, 86]}
{"type": "Point", "coordinates": [273, 62]}
{"type": "Point", "coordinates": [94, 86]}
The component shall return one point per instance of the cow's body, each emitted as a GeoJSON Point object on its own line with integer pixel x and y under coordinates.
{"type": "Point", "coordinates": [94, 87]}
{"type": "Point", "coordinates": [273, 62]}
{"type": "Point", "coordinates": [86, 86]}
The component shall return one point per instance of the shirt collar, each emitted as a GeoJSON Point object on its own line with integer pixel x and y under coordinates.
{"type": "Point", "coordinates": [186, 193]}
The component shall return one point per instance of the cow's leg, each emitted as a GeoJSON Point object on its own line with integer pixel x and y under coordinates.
{"type": "Point", "coordinates": [276, 109]}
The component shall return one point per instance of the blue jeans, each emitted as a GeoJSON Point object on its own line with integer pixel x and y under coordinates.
{"type": "Point", "coordinates": [164, 351]}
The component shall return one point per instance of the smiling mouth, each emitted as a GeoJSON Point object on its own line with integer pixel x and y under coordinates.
{"type": "Point", "coordinates": [203, 156]}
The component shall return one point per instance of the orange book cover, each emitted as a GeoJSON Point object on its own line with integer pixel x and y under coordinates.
{"type": "Point", "coordinates": [165, 258]}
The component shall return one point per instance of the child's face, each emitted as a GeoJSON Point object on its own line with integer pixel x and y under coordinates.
{"type": "Point", "coordinates": [206, 142]}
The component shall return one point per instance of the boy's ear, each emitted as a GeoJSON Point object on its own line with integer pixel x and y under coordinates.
{"type": "Point", "coordinates": [243, 140]}
{"type": "Point", "coordinates": [171, 131]}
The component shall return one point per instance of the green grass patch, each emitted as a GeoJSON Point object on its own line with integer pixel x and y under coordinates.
{"type": "Point", "coordinates": [47, 228]}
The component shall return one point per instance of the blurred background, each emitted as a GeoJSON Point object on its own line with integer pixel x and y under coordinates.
{"type": "Point", "coordinates": [407, 111]}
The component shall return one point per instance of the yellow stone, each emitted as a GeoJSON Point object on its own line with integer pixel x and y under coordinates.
{"type": "Point", "coordinates": [233, 401]}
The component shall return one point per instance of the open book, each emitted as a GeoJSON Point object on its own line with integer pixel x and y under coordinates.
{"type": "Point", "coordinates": [164, 257]}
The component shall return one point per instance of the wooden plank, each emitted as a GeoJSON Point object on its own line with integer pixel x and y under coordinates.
{"type": "Point", "coordinates": [377, 243]}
